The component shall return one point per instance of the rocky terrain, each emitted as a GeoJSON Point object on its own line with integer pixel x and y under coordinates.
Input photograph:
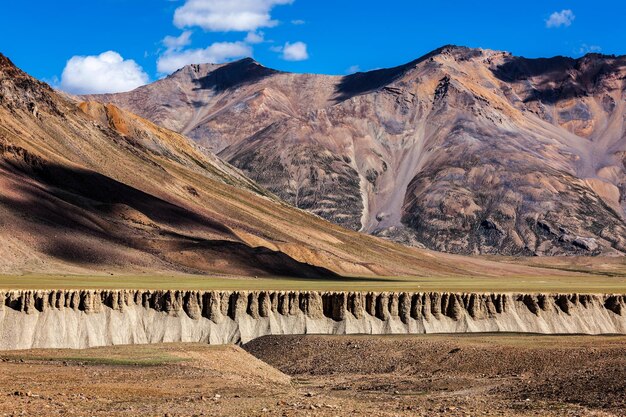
{"type": "Point", "coordinates": [503, 375]}
{"type": "Point", "coordinates": [88, 318]}
{"type": "Point", "coordinates": [443, 375]}
{"type": "Point", "coordinates": [462, 150]}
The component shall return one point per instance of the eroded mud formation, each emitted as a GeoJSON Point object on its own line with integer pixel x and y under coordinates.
{"type": "Point", "coordinates": [79, 319]}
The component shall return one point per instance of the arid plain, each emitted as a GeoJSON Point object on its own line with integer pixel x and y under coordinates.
{"type": "Point", "coordinates": [436, 375]}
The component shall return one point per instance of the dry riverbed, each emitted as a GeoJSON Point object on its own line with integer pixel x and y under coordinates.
{"type": "Point", "coordinates": [456, 375]}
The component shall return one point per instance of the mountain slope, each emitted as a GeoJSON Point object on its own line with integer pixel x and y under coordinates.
{"type": "Point", "coordinates": [91, 187]}
{"type": "Point", "coordinates": [463, 150]}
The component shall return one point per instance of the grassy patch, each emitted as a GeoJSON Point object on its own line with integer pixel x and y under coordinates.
{"type": "Point", "coordinates": [136, 355]}
{"type": "Point", "coordinates": [588, 282]}
{"type": "Point", "coordinates": [512, 339]}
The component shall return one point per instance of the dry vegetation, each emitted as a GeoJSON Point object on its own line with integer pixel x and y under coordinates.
{"type": "Point", "coordinates": [550, 281]}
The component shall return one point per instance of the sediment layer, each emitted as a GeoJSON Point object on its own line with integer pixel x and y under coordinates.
{"type": "Point", "coordinates": [88, 318]}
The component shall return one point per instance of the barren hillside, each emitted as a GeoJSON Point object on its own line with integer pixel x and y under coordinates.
{"type": "Point", "coordinates": [462, 150]}
{"type": "Point", "coordinates": [92, 188]}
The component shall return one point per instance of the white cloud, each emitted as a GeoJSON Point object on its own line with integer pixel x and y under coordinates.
{"type": "Point", "coordinates": [104, 73]}
{"type": "Point", "coordinates": [298, 22]}
{"type": "Point", "coordinates": [586, 49]}
{"type": "Point", "coordinates": [296, 51]}
{"type": "Point", "coordinates": [254, 37]}
{"type": "Point", "coordinates": [562, 18]}
{"type": "Point", "coordinates": [353, 69]}
{"type": "Point", "coordinates": [227, 15]}
{"type": "Point", "coordinates": [217, 53]}
{"type": "Point", "coordinates": [175, 43]}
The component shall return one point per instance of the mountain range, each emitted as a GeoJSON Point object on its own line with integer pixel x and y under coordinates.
{"type": "Point", "coordinates": [467, 151]}
{"type": "Point", "coordinates": [89, 188]}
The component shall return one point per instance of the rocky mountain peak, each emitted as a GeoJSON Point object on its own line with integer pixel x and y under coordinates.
{"type": "Point", "coordinates": [20, 91]}
{"type": "Point", "coordinates": [220, 77]}
{"type": "Point", "coordinates": [5, 62]}
{"type": "Point", "coordinates": [9, 70]}
{"type": "Point", "coordinates": [209, 66]}
{"type": "Point", "coordinates": [459, 52]}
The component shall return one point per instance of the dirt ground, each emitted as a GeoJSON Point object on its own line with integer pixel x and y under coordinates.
{"type": "Point", "coordinates": [451, 375]}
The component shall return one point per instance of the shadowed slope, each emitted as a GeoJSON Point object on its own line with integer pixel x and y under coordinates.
{"type": "Point", "coordinates": [372, 81]}
{"type": "Point", "coordinates": [233, 75]}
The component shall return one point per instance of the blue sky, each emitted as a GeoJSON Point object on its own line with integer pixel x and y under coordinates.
{"type": "Point", "coordinates": [320, 36]}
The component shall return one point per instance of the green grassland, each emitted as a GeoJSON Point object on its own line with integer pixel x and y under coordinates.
{"type": "Point", "coordinates": [509, 339]}
{"type": "Point", "coordinates": [574, 282]}
{"type": "Point", "coordinates": [126, 355]}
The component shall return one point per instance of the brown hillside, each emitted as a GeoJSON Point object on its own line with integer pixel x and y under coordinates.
{"type": "Point", "coordinates": [95, 188]}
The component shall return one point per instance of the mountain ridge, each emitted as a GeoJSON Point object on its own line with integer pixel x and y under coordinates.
{"type": "Point", "coordinates": [438, 152]}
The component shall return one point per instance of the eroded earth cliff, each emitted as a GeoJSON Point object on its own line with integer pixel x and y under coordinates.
{"type": "Point", "coordinates": [80, 319]}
